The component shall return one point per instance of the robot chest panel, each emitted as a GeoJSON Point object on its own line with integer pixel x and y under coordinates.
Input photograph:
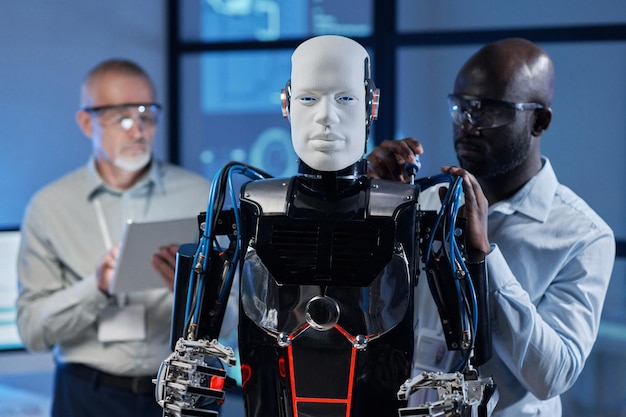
{"type": "Point", "coordinates": [325, 251]}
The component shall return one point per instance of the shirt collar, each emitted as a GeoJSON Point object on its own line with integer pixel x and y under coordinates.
{"type": "Point", "coordinates": [153, 179]}
{"type": "Point", "coordinates": [535, 198]}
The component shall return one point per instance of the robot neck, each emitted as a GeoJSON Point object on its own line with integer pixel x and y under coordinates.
{"type": "Point", "coordinates": [333, 183]}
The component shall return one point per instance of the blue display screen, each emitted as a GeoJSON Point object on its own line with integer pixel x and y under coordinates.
{"type": "Point", "coordinates": [270, 20]}
{"type": "Point", "coordinates": [9, 244]}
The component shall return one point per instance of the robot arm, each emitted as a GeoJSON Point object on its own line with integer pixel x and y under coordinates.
{"type": "Point", "coordinates": [191, 380]}
{"type": "Point", "coordinates": [460, 292]}
{"type": "Point", "coordinates": [203, 282]}
{"type": "Point", "coordinates": [205, 272]}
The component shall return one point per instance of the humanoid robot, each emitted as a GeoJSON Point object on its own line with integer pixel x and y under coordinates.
{"type": "Point", "coordinates": [328, 262]}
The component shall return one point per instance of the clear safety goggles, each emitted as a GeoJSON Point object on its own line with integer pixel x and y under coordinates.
{"type": "Point", "coordinates": [485, 113]}
{"type": "Point", "coordinates": [126, 115]}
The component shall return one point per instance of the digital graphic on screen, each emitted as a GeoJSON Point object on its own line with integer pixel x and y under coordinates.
{"type": "Point", "coordinates": [239, 97]}
{"type": "Point", "coordinates": [270, 20]}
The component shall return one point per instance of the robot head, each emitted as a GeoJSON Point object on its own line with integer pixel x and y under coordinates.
{"type": "Point", "coordinates": [330, 102]}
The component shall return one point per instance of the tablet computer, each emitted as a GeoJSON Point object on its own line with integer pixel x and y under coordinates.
{"type": "Point", "coordinates": [142, 239]}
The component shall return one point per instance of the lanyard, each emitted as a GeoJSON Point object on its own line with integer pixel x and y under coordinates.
{"type": "Point", "coordinates": [121, 298]}
{"type": "Point", "coordinates": [104, 229]}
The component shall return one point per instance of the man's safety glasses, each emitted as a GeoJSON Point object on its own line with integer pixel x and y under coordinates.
{"type": "Point", "coordinates": [126, 115]}
{"type": "Point", "coordinates": [484, 113]}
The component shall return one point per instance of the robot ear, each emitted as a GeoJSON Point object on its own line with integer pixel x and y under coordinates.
{"type": "Point", "coordinates": [285, 99]}
{"type": "Point", "coordinates": [372, 98]}
{"type": "Point", "coordinates": [374, 105]}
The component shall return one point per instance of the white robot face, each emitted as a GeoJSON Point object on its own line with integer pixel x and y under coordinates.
{"type": "Point", "coordinates": [327, 102]}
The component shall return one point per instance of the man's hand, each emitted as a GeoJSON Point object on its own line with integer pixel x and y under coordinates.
{"type": "Point", "coordinates": [105, 267]}
{"type": "Point", "coordinates": [164, 261]}
{"type": "Point", "coordinates": [475, 210]}
{"type": "Point", "coordinates": [386, 161]}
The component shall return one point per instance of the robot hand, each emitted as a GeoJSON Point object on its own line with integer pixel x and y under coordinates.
{"type": "Point", "coordinates": [188, 379]}
{"type": "Point", "coordinates": [458, 396]}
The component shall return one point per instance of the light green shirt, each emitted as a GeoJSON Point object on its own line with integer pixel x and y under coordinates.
{"type": "Point", "coordinates": [63, 238]}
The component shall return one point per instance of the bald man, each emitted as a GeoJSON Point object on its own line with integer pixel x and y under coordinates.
{"type": "Point", "coordinates": [549, 255]}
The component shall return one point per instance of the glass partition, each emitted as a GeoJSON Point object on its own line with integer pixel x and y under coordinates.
{"type": "Point", "coordinates": [429, 15]}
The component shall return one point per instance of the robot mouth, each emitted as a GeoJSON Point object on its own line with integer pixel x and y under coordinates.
{"type": "Point", "coordinates": [327, 137]}
{"type": "Point", "coordinates": [327, 145]}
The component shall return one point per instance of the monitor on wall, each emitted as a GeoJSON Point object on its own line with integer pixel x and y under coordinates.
{"type": "Point", "coordinates": [9, 244]}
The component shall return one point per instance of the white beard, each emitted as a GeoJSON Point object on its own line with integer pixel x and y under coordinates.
{"type": "Point", "coordinates": [132, 164]}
